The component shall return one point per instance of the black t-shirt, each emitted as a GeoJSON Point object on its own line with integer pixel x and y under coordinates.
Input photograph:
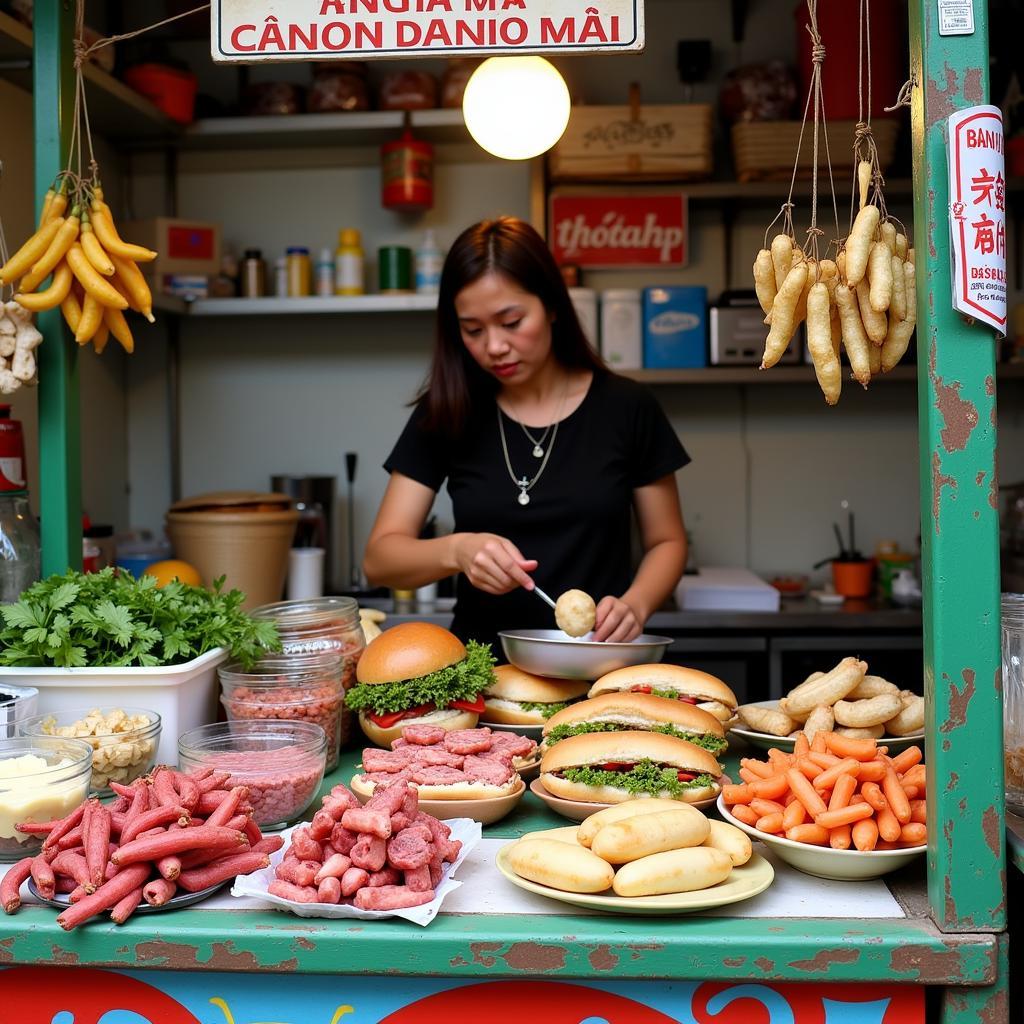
{"type": "Point", "coordinates": [577, 522]}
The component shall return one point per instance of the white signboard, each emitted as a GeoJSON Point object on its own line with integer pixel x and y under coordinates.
{"type": "Point", "coordinates": [977, 214]}
{"type": "Point", "coordinates": [956, 17]}
{"type": "Point", "coordinates": [250, 31]}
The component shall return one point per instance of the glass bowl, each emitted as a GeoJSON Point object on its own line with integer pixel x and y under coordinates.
{"type": "Point", "coordinates": [282, 763]}
{"type": "Point", "coordinates": [124, 740]}
{"type": "Point", "coordinates": [16, 704]}
{"type": "Point", "coordinates": [42, 778]}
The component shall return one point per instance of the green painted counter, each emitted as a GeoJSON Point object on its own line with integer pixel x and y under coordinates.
{"type": "Point", "coordinates": [689, 948]}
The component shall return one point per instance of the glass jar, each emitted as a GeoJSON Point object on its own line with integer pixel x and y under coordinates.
{"type": "Point", "coordinates": [290, 687]}
{"type": "Point", "coordinates": [339, 86]}
{"type": "Point", "coordinates": [300, 271]}
{"type": "Point", "coordinates": [1013, 698]}
{"type": "Point", "coordinates": [19, 546]}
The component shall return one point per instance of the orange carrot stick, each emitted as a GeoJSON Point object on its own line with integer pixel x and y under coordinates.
{"type": "Point", "coordinates": [914, 834]}
{"type": "Point", "coordinates": [813, 834]}
{"type": "Point", "coordinates": [818, 743]}
{"type": "Point", "coordinates": [840, 838]}
{"type": "Point", "coordinates": [762, 807]}
{"type": "Point", "coordinates": [769, 823]}
{"type": "Point", "coordinates": [872, 771]}
{"type": "Point", "coordinates": [865, 835]}
{"type": "Point", "coordinates": [805, 793]}
{"type": "Point", "coordinates": [828, 778]}
{"type": "Point", "coordinates": [889, 827]}
{"type": "Point", "coordinates": [761, 769]}
{"type": "Point", "coordinates": [808, 769]}
{"type": "Point", "coordinates": [873, 794]}
{"type": "Point", "coordinates": [842, 792]}
{"type": "Point", "coordinates": [770, 789]}
{"type": "Point", "coordinates": [741, 812]}
{"type": "Point", "coordinates": [823, 761]}
{"type": "Point", "coordinates": [846, 746]}
{"type": "Point", "coordinates": [916, 776]}
{"type": "Point", "coordinates": [897, 797]}
{"type": "Point", "coordinates": [801, 746]}
{"type": "Point", "coordinates": [844, 816]}
{"type": "Point", "coordinates": [919, 811]}
{"type": "Point", "coordinates": [748, 776]}
{"type": "Point", "coordinates": [906, 760]}
{"type": "Point", "coordinates": [737, 794]}
{"type": "Point", "coordinates": [794, 814]}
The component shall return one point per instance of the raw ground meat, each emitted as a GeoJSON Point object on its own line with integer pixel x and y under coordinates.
{"type": "Point", "coordinates": [423, 735]}
{"type": "Point", "coordinates": [511, 743]}
{"type": "Point", "coordinates": [437, 775]}
{"type": "Point", "coordinates": [488, 770]}
{"type": "Point", "coordinates": [467, 741]}
{"type": "Point", "coordinates": [375, 760]}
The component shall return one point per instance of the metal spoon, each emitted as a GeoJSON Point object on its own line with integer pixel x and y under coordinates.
{"type": "Point", "coordinates": [544, 597]}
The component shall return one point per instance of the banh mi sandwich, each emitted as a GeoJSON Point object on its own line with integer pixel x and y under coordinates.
{"type": "Point", "coordinates": [521, 698]}
{"type": "Point", "coordinates": [610, 767]}
{"type": "Point", "coordinates": [675, 682]}
{"type": "Point", "coordinates": [417, 673]}
{"type": "Point", "coordinates": [622, 711]}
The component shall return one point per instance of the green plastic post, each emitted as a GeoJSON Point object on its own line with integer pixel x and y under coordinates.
{"type": "Point", "coordinates": [959, 517]}
{"type": "Point", "coordinates": [60, 485]}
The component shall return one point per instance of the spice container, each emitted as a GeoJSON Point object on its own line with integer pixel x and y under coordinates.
{"type": "Point", "coordinates": [306, 688]}
{"type": "Point", "coordinates": [1013, 698]}
{"type": "Point", "coordinates": [325, 273]}
{"type": "Point", "coordinates": [42, 778]}
{"type": "Point", "coordinates": [394, 269]}
{"type": "Point", "coordinates": [280, 763]}
{"type": "Point", "coordinates": [253, 274]}
{"type": "Point", "coordinates": [300, 272]}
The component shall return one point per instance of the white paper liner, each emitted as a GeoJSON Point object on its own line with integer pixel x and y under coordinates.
{"type": "Point", "coordinates": [255, 885]}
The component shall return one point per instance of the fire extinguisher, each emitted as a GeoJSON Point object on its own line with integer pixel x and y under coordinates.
{"type": "Point", "coordinates": [407, 174]}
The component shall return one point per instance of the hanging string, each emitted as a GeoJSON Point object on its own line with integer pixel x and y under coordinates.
{"type": "Point", "coordinates": [4, 255]}
{"type": "Point", "coordinates": [865, 149]}
{"type": "Point", "coordinates": [905, 96]}
{"type": "Point", "coordinates": [82, 52]}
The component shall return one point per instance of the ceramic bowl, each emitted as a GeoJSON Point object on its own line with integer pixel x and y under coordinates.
{"type": "Point", "coordinates": [486, 810]}
{"type": "Point", "coordinates": [823, 861]}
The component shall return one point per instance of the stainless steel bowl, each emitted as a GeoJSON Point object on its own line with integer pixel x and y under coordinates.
{"type": "Point", "coordinates": [549, 652]}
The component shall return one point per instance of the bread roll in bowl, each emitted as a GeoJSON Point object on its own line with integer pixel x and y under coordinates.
{"type": "Point", "coordinates": [710, 693]}
{"type": "Point", "coordinates": [449, 719]}
{"type": "Point", "coordinates": [567, 790]}
{"type": "Point", "coordinates": [512, 685]}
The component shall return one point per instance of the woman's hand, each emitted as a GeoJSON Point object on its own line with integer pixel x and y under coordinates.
{"type": "Point", "coordinates": [493, 564]}
{"type": "Point", "coordinates": [616, 621]}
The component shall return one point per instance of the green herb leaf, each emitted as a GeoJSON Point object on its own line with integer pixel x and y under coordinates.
{"type": "Point", "coordinates": [461, 681]}
{"type": "Point", "coordinates": [715, 744]}
{"type": "Point", "coordinates": [546, 710]}
{"type": "Point", "coordinates": [646, 777]}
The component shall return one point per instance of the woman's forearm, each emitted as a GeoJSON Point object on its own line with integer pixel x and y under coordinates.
{"type": "Point", "coordinates": [396, 560]}
{"type": "Point", "coordinates": [658, 573]}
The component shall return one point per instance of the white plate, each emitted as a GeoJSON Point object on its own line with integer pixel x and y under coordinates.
{"type": "Point", "coordinates": [743, 882]}
{"type": "Point", "coordinates": [765, 740]}
{"type": "Point", "coordinates": [823, 861]}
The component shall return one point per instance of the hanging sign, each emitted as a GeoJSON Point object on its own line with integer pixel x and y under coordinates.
{"type": "Point", "coordinates": [619, 230]}
{"type": "Point", "coordinates": [977, 214]}
{"type": "Point", "coordinates": [250, 31]}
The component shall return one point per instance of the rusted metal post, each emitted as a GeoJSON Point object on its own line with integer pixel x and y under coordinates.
{"type": "Point", "coordinates": [959, 517]}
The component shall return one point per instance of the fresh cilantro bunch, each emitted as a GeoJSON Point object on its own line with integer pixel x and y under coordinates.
{"type": "Point", "coordinates": [645, 777]}
{"type": "Point", "coordinates": [461, 681]}
{"type": "Point", "coordinates": [109, 619]}
{"type": "Point", "coordinates": [710, 742]}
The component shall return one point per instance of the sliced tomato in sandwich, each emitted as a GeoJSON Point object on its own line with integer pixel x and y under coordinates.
{"type": "Point", "coordinates": [470, 705]}
{"type": "Point", "coordinates": [642, 688]}
{"type": "Point", "coordinates": [685, 776]}
{"type": "Point", "coordinates": [389, 718]}
{"type": "Point", "coordinates": [616, 766]}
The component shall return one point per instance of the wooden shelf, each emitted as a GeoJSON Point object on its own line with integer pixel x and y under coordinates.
{"type": "Point", "coordinates": [115, 111]}
{"type": "Point", "coordinates": [780, 375]}
{"type": "Point", "coordinates": [312, 305]}
{"type": "Point", "coordinates": [357, 128]}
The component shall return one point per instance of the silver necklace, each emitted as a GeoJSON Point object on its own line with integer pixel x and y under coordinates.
{"type": "Point", "coordinates": [537, 442]}
{"type": "Point", "coordinates": [524, 483]}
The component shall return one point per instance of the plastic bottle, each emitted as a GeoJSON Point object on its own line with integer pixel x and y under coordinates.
{"type": "Point", "coordinates": [281, 276]}
{"type": "Point", "coordinates": [349, 271]}
{"type": "Point", "coordinates": [19, 546]}
{"type": "Point", "coordinates": [429, 261]}
{"type": "Point", "coordinates": [325, 273]}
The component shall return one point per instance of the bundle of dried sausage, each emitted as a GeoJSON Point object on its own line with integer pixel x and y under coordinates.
{"type": "Point", "coordinates": [385, 856]}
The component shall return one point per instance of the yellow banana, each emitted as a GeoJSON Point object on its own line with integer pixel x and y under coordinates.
{"type": "Point", "coordinates": [59, 289]}
{"type": "Point", "coordinates": [118, 327]}
{"type": "Point", "coordinates": [55, 252]}
{"type": "Point", "coordinates": [92, 317]}
{"type": "Point", "coordinates": [103, 224]}
{"type": "Point", "coordinates": [31, 251]}
{"type": "Point", "coordinates": [138, 293]}
{"type": "Point", "coordinates": [72, 310]}
{"type": "Point", "coordinates": [100, 338]}
{"type": "Point", "coordinates": [58, 206]}
{"type": "Point", "coordinates": [93, 250]}
{"type": "Point", "coordinates": [47, 203]}
{"type": "Point", "coordinates": [91, 281]}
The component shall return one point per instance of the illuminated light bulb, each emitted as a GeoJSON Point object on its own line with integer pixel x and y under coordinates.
{"type": "Point", "coordinates": [516, 107]}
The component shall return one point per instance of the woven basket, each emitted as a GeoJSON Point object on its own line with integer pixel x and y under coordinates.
{"type": "Point", "coordinates": [634, 142]}
{"type": "Point", "coordinates": [764, 150]}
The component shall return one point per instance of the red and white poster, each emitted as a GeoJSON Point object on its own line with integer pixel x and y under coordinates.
{"type": "Point", "coordinates": [249, 31]}
{"type": "Point", "coordinates": [618, 230]}
{"type": "Point", "coordinates": [977, 214]}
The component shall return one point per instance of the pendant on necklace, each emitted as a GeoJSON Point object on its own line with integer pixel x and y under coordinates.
{"type": "Point", "coordinates": [524, 498]}
{"type": "Point", "coordinates": [538, 452]}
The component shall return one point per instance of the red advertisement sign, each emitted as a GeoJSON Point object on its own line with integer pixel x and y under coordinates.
{"type": "Point", "coordinates": [617, 230]}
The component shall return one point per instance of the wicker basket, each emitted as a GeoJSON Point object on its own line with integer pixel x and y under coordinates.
{"type": "Point", "coordinates": [634, 142]}
{"type": "Point", "coordinates": [764, 150]}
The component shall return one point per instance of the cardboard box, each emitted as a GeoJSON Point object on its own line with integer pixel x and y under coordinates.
{"type": "Point", "coordinates": [186, 247]}
{"type": "Point", "coordinates": [675, 327]}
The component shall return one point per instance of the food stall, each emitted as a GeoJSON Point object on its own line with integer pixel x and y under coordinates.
{"type": "Point", "coordinates": [929, 942]}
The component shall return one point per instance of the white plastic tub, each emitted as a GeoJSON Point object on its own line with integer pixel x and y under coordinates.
{"type": "Point", "coordinates": [185, 696]}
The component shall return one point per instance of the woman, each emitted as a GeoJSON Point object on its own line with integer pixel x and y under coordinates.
{"type": "Point", "coordinates": [546, 453]}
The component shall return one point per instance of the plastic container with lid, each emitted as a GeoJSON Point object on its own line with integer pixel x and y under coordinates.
{"type": "Point", "coordinates": [300, 271]}
{"type": "Point", "coordinates": [429, 263]}
{"type": "Point", "coordinates": [622, 328]}
{"type": "Point", "coordinates": [291, 687]}
{"type": "Point", "coordinates": [42, 778]}
{"type": "Point", "coordinates": [584, 301]}
{"type": "Point", "coordinates": [325, 273]}
{"type": "Point", "coordinates": [281, 763]}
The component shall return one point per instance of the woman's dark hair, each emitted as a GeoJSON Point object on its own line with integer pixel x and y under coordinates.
{"type": "Point", "coordinates": [511, 247]}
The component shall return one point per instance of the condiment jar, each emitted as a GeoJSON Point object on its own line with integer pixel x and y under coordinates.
{"type": "Point", "coordinates": [253, 274]}
{"type": "Point", "coordinates": [349, 264]}
{"type": "Point", "coordinates": [300, 272]}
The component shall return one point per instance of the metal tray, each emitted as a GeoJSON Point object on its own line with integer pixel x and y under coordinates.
{"type": "Point", "coordinates": [184, 899]}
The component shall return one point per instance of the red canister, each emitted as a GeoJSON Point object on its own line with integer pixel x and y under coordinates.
{"type": "Point", "coordinates": [407, 174]}
{"type": "Point", "coordinates": [12, 452]}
